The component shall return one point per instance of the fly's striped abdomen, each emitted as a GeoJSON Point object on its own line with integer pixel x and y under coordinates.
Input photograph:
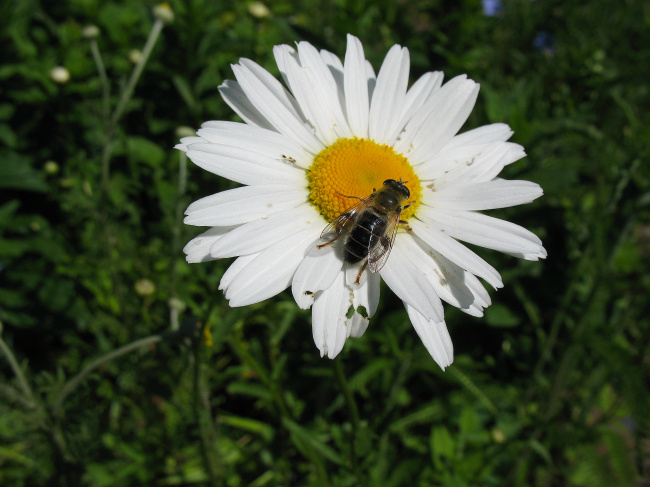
{"type": "Point", "coordinates": [370, 223]}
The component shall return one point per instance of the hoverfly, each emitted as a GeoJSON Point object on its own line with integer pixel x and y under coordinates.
{"type": "Point", "coordinates": [369, 227]}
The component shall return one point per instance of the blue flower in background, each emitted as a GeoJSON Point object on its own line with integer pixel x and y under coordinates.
{"type": "Point", "coordinates": [491, 7]}
{"type": "Point", "coordinates": [544, 42]}
{"type": "Point", "coordinates": [629, 423]}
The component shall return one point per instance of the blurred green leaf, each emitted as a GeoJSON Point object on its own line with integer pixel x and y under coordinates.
{"type": "Point", "coordinates": [143, 150]}
{"type": "Point", "coordinates": [442, 444]}
{"type": "Point", "coordinates": [16, 172]}
{"type": "Point", "coordinates": [302, 435]}
{"type": "Point", "coordinates": [499, 315]}
{"type": "Point", "coordinates": [250, 425]}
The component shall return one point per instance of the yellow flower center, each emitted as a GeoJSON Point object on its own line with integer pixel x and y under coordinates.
{"type": "Point", "coordinates": [356, 167]}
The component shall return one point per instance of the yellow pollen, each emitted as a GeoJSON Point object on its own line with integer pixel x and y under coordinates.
{"type": "Point", "coordinates": [355, 167]}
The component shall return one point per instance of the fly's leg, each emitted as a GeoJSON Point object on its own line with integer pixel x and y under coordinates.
{"type": "Point", "coordinates": [363, 268]}
{"type": "Point", "coordinates": [330, 242]}
{"type": "Point", "coordinates": [338, 229]}
{"type": "Point", "coordinates": [346, 196]}
{"type": "Point", "coordinates": [405, 225]}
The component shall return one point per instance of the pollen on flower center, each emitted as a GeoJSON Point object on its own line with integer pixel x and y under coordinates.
{"type": "Point", "coordinates": [356, 167]}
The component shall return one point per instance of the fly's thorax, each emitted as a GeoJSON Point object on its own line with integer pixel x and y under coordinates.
{"type": "Point", "coordinates": [388, 200]}
{"type": "Point", "coordinates": [399, 187]}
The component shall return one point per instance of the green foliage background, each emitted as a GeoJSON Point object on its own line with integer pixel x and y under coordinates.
{"type": "Point", "coordinates": [549, 388]}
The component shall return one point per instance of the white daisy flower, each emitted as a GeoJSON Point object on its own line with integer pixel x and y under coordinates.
{"type": "Point", "coordinates": [337, 131]}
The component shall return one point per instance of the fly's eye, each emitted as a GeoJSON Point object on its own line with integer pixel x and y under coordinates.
{"type": "Point", "coordinates": [390, 181]}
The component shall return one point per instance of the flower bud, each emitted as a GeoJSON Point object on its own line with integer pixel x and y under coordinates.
{"type": "Point", "coordinates": [90, 32]}
{"type": "Point", "coordinates": [164, 12]}
{"type": "Point", "coordinates": [144, 287]}
{"type": "Point", "coordinates": [259, 10]}
{"type": "Point", "coordinates": [135, 56]}
{"type": "Point", "coordinates": [51, 167]}
{"type": "Point", "coordinates": [185, 131]}
{"type": "Point", "coordinates": [60, 75]}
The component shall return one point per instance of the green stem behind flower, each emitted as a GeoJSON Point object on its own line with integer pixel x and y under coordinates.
{"type": "Point", "coordinates": [353, 410]}
{"type": "Point", "coordinates": [137, 71]}
{"type": "Point", "coordinates": [77, 379]}
{"type": "Point", "coordinates": [106, 87]}
{"type": "Point", "coordinates": [17, 371]}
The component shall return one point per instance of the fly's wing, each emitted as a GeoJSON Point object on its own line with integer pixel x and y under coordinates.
{"type": "Point", "coordinates": [346, 220]}
{"type": "Point", "coordinates": [379, 247]}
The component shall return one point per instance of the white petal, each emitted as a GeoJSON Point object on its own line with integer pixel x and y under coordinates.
{"type": "Point", "coordinates": [353, 272]}
{"type": "Point", "coordinates": [329, 327]}
{"type": "Point", "coordinates": [185, 141]}
{"type": "Point", "coordinates": [491, 233]}
{"type": "Point", "coordinates": [303, 83]}
{"type": "Point", "coordinates": [241, 205]}
{"type": "Point", "coordinates": [475, 311]}
{"type": "Point", "coordinates": [269, 81]}
{"type": "Point", "coordinates": [489, 195]}
{"type": "Point", "coordinates": [367, 295]}
{"type": "Point", "coordinates": [372, 80]}
{"type": "Point", "coordinates": [435, 337]}
{"type": "Point", "coordinates": [235, 268]}
{"type": "Point", "coordinates": [260, 234]}
{"type": "Point", "coordinates": [407, 272]}
{"type": "Point", "coordinates": [389, 94]}
{"type": "Point", "coordinates": [325, 86]}
{"type": "Point", "coordinates": [357, 325]}
{"type": "Point", "coordinates": [481, 135]}
{"type": "Point", "coordinates": [198, 249]}
{"type": "Point", "coordinates": [447, 278]}
{"type": "Point", "coordinates": [481, 296]}
{"type": "Point", "coordinates": [234, 96]}
{"type": "Point", "coordinates": [336, 68]}
{"type": "Point", "coordinates": [357, 99]}
{"type": "Point", "coordinates": [255, 139]}
{"type": "Point", "coordinates": [447, 117]}
{"type": "Point", "coordinates": [271, 271]}
{"type": "Point", "coordinates": [405, 142]}
{"type": "Point", "coordinates": [316, 273]}
{"type": "Point", "coordinates": [280, 52]}
{"type": "Point", "coordinates": [455, 251]}
{"type": "Point", "coordinates": [334, 64]}
{"type": "Point", "coordinates": [470, 164]}
{"type": "Point", "coordinates": [419, 93]}
{"type": "Point", "coordinates": [273, 103]}
{"type": "Point", "coordinates": [243, 166]}
{"type": "Point", "coordinates": [438, 120]}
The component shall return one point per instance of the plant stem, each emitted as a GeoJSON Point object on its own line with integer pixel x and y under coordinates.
{"type": "Point", "coordinates": [111, 121]}
{"type": "Point", "coordinates": [176, 234]}
{"type": "Point", "coordinates": [17, 372]}
{"type": "Point", "coordinates": [76, 380]}
{"type": "Point", "coordinates": [106, 87]}
{"type": "Point", "coordinates": [347, 393]}
{"type": "Point", "coordinates": [354, 414]}
{"type": "Point", "coordinates": [203, 414]}
{"type": "Point", "coordinates": [137, 71]}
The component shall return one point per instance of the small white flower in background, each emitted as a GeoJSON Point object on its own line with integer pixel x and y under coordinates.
{"type": "Point", "coordinates": [339, 130]}
{"type": "Point", "coordinates": [51, 167]}
{"type": "Point", "coordinates": [259, 10]}
{"type": "Point", "coordinates": [90, 32]}
{"type": "Point", "coordinates": [184, 131]}
{"type": "Point", "coordinates": [144, 287]}
{"type": "Point", "coordinates": [60, 75]}
{"type": "Point", "coordinates": [135, 56]}
{"type": "Point", "coordinates": [164, 12]}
